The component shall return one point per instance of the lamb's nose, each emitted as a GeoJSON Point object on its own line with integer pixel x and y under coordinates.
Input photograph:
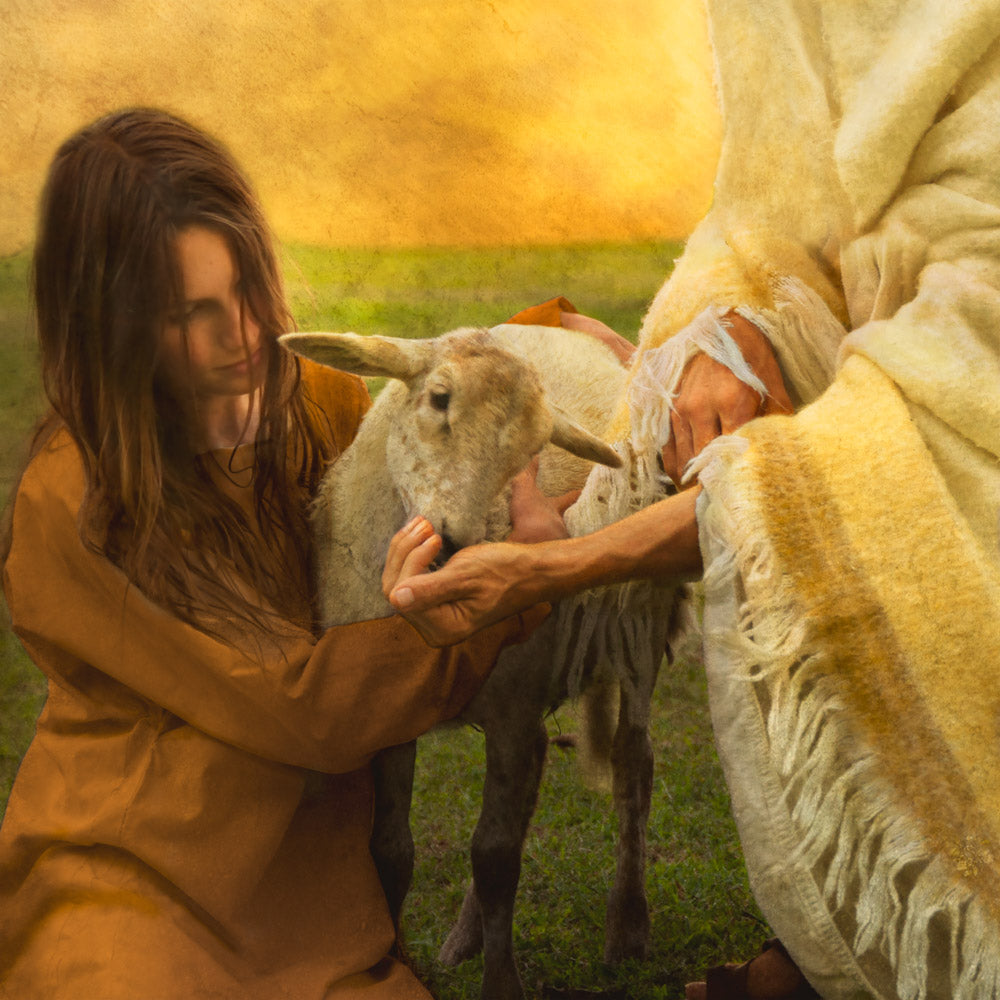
{"type": "Point", "coordinates": [448, 547]}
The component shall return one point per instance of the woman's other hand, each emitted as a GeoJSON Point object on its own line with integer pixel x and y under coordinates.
{"type": "Point", "coordinates": [711, 400]}
{"type": "Point", "coordinates": [534, 517]}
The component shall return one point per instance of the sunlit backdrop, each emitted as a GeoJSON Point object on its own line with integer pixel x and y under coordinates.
{"type": "Point", "coordinates": [390, 122]}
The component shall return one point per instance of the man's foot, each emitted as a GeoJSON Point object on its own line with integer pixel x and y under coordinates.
{"type": "Point", "coordinates": [771, 975]}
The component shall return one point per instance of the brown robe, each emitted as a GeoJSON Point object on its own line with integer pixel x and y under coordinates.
{"type": "Point", "coordinates": [191, 820]}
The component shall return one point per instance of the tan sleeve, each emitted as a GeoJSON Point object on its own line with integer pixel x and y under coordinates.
{"type": "Point", "coordinates": [545, 313]}
{"type": "Point", "coordinates": [343, 398]}
{"type": "Point", "coordinates": [327, 705]}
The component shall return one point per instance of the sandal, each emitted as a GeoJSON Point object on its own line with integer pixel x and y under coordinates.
{"type": "Point", "coordinates": [771, 975]}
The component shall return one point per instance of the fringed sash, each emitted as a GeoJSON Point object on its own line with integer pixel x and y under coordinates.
{"type": "Point", "coordinates": [853, 652]}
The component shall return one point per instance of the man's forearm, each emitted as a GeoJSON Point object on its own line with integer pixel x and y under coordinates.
{"type": "Point", "coordinates": [658, 542]}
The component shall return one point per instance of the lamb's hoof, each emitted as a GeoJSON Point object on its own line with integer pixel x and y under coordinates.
{"type": "Point", "coordinates": [616, 952]}
{"type": "Point", "coordinates": [462, 944]}
{"type": "Point", "coordinates": [505, 987]}
{"type": "Point", "coordinates": [466, 938]}
{"type": "Point", "coordinates": [627, 932]}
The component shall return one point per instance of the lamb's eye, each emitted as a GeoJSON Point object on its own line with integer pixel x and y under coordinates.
{"type": "Point", "coordinates": [440, 400]}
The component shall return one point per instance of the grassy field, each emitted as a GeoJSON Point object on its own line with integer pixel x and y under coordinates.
{"type": "Point", "coordinates": [702, 910]}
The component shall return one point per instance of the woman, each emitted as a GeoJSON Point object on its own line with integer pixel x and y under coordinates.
{"type": "Point", "coordinates": [852, 582]}
{"type": "Point", "coordinates": [192, 816]}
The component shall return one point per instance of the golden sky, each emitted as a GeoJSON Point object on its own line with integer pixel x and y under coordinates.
{"type": "Point", "coordinates": [389, 122]}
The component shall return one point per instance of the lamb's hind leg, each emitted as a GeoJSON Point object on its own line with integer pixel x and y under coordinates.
{"type": "Point", "coordinates": [465, 940]}
{"type": "Point", "coordinates": [627, 922]}
{"type": "Point", "coordinates": [515, 756]}
{"type": "Point", "coordinates": [392, 840]}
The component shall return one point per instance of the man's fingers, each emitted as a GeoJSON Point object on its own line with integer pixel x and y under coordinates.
{"type": "Point", "coordinates": [760, 355]}
{"type": "Point", "coordinates": [524, 486]}
{"type": "Point", "coordinates": [712, 400]}
{"type": "Point", "coordinates": [742, 406]}
{"type": "Point", "coordinates": [680, 434]}
{"type": "Point", "coordinates": [669, 456]}
{"type": "Point", "coordinates": [534, 517]}
{"type": "Point", "coordinates": [403, 542]}
{"type": "Point", "coordinates": [425, 590]}
{"type": "Point", "coordinates": [528, 474]}
{"type": "Point", "coordinates": [420, 559]}
{"type": "Point", "coordinates": [532, 617]}
{"type": "Point", "coordinates": [777, 400]}
{"type": "Point", "coordinates": [704, 429]}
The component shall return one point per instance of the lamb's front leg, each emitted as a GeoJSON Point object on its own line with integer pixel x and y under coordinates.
{"type": "Point", "coordinates": [392, 840]}
{"type": "Point", "coordinates": [515, 757]}
{"type": "Point", "coordinates": [627, 921]}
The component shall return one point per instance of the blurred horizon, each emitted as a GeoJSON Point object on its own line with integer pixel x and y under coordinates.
{"type": "Point", "coordinates": [469, 123]}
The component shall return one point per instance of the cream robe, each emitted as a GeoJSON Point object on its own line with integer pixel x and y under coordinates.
{"type": "Point", "coordinates": [852, 577]}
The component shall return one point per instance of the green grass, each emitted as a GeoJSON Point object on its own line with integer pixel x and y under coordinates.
{"type": "Point", "coordinates": [419, 293]}
{"type": "Point", "coordinates": [20, 383]}
{"type": "Point", "coordinates": [701, 907]}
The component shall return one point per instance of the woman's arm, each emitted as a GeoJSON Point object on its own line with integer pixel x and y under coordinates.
{"type": "Point", "coordinates": [485, 583]}
{"type": "Point", "coordinates": [327, 705]}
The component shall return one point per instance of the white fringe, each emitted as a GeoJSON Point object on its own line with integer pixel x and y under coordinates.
{"type": "Point", "coordinates": [615, 636]}
{"type": "Point", "coordinates": [653, 388]}
{"type": "Point", "coordinates": [892, 898]}
{"type": "Point", "coordinates": [805, 335]}
{"type": "Point", "coordinates": [617, 632]}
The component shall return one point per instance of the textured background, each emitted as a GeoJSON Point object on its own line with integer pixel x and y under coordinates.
{"type": "Point", "coordinates": [389, 122]}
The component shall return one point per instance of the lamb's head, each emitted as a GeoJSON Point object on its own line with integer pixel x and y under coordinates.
{"type": "Point", "coordinates": [467, 417]}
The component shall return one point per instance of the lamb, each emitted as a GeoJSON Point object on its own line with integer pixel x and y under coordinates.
{"type": "Point", "coordinates": [465, 413]}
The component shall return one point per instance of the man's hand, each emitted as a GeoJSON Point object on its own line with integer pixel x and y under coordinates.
{"type": "Point", "coordinates": [484, 583]}
{"type": "Point", "coordinates": [478, 586]}
{"type": "Point", "coordinates": [713, 401]}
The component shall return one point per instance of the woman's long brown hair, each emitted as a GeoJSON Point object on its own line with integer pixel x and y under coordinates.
{"type": "Point", "coordinates": [105, 278]}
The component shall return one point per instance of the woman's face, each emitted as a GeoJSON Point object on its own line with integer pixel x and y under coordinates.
{"type": "Point", "coordinates": [223, 353]}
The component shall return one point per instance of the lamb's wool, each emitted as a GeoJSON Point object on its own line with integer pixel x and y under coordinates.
{"type": "Point", "coordinates": [614, 635]}
{"type": "Point", "coordinates": [852, 581]}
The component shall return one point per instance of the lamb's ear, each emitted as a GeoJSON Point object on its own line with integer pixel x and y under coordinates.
{"type": "Point", "coordinates": [391, 357]}
{"type": "Point", "coordinates": [569, 435]}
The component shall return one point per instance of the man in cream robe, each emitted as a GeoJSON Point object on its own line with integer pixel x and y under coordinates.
{"type": "Point", "coordinates": [851, 563]}
{"type": "Point", "coordinates": [850, 551]}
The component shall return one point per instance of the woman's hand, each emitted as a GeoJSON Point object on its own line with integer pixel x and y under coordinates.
{"type": "Point", "coordinates": [534, 517]}
{"type": "Point", "coordinates": [711, 400]}
{"type": "Point", "coordinates": [478, 586]}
